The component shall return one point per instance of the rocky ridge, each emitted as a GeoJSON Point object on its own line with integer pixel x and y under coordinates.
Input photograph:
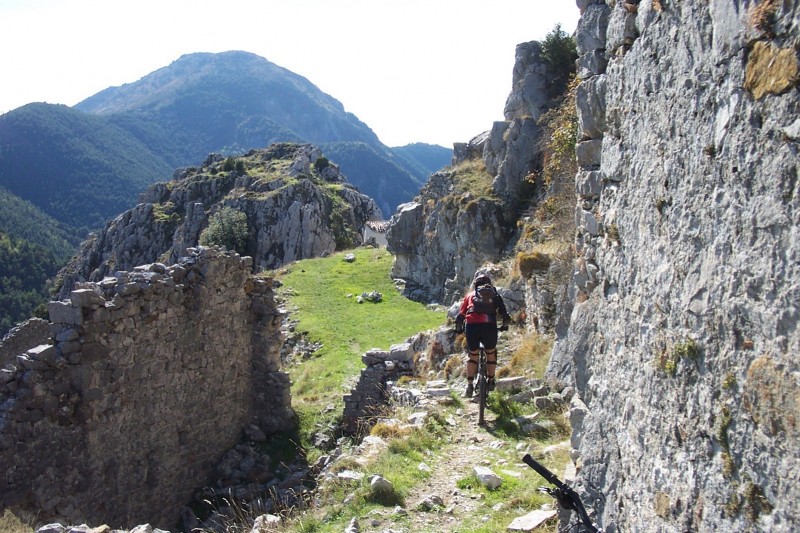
{"type": "Point", "coordinates": [298, 205]}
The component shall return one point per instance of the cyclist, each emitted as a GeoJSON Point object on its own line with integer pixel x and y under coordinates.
{"type": "Point", "coordinates": [477, 317]}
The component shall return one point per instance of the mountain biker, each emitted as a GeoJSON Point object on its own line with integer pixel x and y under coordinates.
{"type": "Point", "coordinates": [479, 321]}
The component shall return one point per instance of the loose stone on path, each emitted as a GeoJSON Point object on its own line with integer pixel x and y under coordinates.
{"type": "Point", "coordinates": [531, 520]}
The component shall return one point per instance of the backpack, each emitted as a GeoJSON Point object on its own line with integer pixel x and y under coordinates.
{"type": "Point", "coordinates": [485, 300]}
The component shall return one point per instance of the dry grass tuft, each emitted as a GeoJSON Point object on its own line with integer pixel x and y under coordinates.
{"type": "Point", "coordinates": [534, 261]}
{"type": "Point", "coordinates": [454, 367]}
{"type": "Point", "coordinates": [471, 176]}
{"type": "Point", "coordinates": [9, 523]}
{"type": "Point", "coordinates": [531, 357]}
{"type": "Point", "coordinates": [762, 16]}
{"type": "Point", "coordinates": [389, 431]}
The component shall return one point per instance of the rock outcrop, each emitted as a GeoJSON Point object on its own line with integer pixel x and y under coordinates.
{"type": "Point", "coordinates": [684, 338]}
{"type": "Point", "coordinates": [466, 215]}
{"type": "Point", "coordinates": [150, 377]}
{"type": "Point", "coordinates": [442, 237]}
{"type": "Point", "coordinates": [296, 203]}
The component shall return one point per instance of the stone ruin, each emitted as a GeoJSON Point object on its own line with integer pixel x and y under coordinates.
{"type": "Point", "coordinates": [371, 393]}
{"type": "Point", "coordinates": [147, 379]}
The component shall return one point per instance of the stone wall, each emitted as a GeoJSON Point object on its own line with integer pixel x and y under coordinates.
{"type": "Point", "coordinates": [32, 332]}
{"type": "Point", "coordinates": [151, 376]}
{"type": "Point", "coordinates": [369, 397]}
{"type": "Point", "coordinates": [684, 338]}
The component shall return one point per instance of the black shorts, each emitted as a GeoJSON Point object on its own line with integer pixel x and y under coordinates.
{"type": "Point", "coordinates": [485, 333]}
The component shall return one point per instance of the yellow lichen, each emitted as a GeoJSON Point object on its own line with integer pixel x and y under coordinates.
{"type": "Point", "coordinates": [770, 70]}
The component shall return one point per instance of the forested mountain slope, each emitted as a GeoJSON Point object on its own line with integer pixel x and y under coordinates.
{"type": "Point", "coordinates": [233, 101]}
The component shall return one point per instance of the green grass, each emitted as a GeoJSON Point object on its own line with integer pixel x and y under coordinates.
{"type": "Point", "coordinates": [321, 294]}
{"type": "Point", "coordinates": [515, 496]}
{"type": "Point", "coordinates": [471, 176]}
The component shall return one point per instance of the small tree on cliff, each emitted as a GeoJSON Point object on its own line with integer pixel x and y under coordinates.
{"type": "Point", "coordinates": [559, 52]}
{"type": "Point", "coordinates": [228, 228]}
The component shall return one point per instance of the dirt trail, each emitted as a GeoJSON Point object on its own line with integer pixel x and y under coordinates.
{"type": "Point", "coordinates": [469, 446]}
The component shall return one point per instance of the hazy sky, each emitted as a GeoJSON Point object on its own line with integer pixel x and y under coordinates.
{"type": "Point", "coordinates": [435, 71]}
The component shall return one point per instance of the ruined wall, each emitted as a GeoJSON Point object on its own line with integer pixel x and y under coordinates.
{"type": "Point", "coordinates": [684, 339]}
{"type": "Point", "coordinates": [368, 398]}
{"type": "Point", "coordinates": [32, 332]}
{"type": "Point", "coordinates": [151, 377]}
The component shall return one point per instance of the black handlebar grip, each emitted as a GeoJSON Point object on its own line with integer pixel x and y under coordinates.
{"type": "Point", "coordinates": [542, 470]}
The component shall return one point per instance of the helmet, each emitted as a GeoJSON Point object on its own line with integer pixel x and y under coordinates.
{"type": "Point", "coordinates": [481, 279]}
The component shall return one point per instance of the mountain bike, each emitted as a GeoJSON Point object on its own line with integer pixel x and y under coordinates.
{"type": "Point", "coordinates": [483, 379]}
{"type": "Point", "coordinates": [564, 495]}
{"type": "Point", "coordinates": [483, 385]}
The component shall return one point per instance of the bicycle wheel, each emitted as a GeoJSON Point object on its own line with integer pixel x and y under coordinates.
{"type": "Point", "coordinates": [481, 387]}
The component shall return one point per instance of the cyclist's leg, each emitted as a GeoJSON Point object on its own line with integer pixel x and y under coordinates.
{"type": "Point", "coordinates": [490, 344]}
{"type": "Point", "coordinates": [473, 344]}
{"type": "Point", "coordinates": [491, 366]}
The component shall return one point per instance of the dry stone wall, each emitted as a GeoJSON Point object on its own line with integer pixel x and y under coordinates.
{"type": "Point", "coordinates": [372, 391]}
{"type": "Point", "coordinates": [684, 341]}
{"type": "Point", "coordinates": [151, 376]}
{"type": "Point", "coordinates": [32, 332]}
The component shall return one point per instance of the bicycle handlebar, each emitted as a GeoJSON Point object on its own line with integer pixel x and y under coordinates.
{"type": "Point", "coordinates": [542, 471]}
{"type": "Point", "coordinates": [565, 495]}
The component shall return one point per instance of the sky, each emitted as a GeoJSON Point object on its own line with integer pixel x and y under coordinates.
{"type": "Point", "coordinates": [432, 71]}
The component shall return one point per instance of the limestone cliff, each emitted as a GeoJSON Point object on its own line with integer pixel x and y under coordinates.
{"type": "Point", "coordinates": [466, 215]}
{"type": "Point", "coordinates": [684, 339]}
{"type": "Point", "coordinates": [297, 205]}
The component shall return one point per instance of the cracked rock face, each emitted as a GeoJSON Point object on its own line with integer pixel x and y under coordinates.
{"type": "Point", "coordinates": [445, 234]}
{"type": "Point", "coordinates": [684, 338]}
{"type": "Point", "coordinates": [441, 239]}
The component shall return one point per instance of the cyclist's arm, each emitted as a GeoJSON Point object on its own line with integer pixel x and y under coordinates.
{"type": "Point", "coordinates": [501, 308]}
{"type": "Point", "coordinates": [502, 311]}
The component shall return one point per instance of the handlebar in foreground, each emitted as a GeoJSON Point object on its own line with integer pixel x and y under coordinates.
{"type": "Point", "coordinates": [565, 495]}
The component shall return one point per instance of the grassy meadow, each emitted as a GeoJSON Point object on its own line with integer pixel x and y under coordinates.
{"type": "Point", "coordinates": [321, 295]}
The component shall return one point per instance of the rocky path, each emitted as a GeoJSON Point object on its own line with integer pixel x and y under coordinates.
{"type": "Point", "coordinates": [439, 505]}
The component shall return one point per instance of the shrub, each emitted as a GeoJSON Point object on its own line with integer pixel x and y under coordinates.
{"type": "Point", "coordinates": [561, 124]}
{"type": "Point", "coordinates": [321, 164]}
{"type": "Point", "coordinates": [687, 349]}
{"type": "Point", "coordinates": [559, 53]}
{"type": "Point", "coordinates": [227, 228]}
{"type": "Point", "coordinates": [729, 382]}
{"type": "Point", "coordinates": [530, 262]}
